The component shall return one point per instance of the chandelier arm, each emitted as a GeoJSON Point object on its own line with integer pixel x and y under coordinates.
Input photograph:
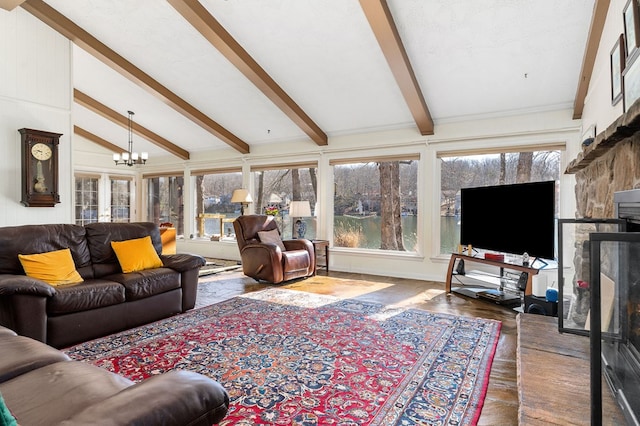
{"type": "Point", "coordinates": [131, 157]}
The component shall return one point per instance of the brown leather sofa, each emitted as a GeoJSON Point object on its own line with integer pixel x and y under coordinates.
{"type": "Point", "coordinates": [107, 301]}
{"type": "Point", "coordinates": [265, 261]}
{"type": "Point", "coordinates": [42, 386]}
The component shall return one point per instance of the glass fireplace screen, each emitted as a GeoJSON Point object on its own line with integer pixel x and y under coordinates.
{"type": "Point", "coordinates": [614, 321]}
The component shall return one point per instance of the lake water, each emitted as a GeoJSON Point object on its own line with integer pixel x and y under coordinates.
{"type": "Point", "coordinates": [449, 234]}
{"type": "Point", "coordinates": [369, 229]}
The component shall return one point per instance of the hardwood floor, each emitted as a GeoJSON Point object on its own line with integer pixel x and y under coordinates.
{"type": "Point", "coordinates": [501, 403]}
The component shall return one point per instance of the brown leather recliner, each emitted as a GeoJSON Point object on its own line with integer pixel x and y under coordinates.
{"type": "Point", "coordinates": [266, 261]}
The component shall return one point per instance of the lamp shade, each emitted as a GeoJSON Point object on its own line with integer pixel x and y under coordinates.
{"type": "Point", "coordinates": [299, 209]}
{"type": "Point", "coordinates": [241, 196]}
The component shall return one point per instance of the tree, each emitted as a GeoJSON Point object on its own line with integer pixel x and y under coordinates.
{"type": "Point", "coordinates": [397, 208]}
{"type": "Point", "coordinates": [259, 201]}
{"type": "Point", "coordinates": [199, 199]}
{"type": "Point", "coordinates": [295, 185]}
{"type": "Point", "coordinates": [314, 183]}
{"type": "Point", "coordinates": [503, 168]}
{"type": "Point", "coordinates": [523, 171]}
{"type": "Point", "coordinates": [390, 214]}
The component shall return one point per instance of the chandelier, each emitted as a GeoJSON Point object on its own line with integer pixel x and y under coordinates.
{"type": "Point", "coordinates": [130, 158]}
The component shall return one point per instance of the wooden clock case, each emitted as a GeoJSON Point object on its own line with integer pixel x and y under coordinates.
{"type": "Point", "coordinates": [39, 168]}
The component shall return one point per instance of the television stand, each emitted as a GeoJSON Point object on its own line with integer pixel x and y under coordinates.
{"type": "Point", "coordinates": [501, 297]}
{"type": "Point", "coordinates": [492, 295]}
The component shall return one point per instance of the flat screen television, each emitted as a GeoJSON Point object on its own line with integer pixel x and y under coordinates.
{"type": "Point", "coordinates": [514, 219]}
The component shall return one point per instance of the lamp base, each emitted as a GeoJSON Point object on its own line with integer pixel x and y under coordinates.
{"type": "Point", "coordinates": [300, 228]}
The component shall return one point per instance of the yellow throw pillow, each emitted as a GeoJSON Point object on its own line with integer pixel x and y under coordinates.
{"type": "Point", "coordinates": [136, 255]}
{"type": "Point", "coordinates": [54, 267]}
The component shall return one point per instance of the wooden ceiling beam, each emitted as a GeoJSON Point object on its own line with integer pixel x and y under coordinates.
{"type": "Point", "coordinates": [198, 16]}
{"type": "Point", "coordinates": [386, 32]}
{"type": "Point", "coordinates": [598, 18]}
{"type": "Point", "coordinates": [97, 139]}
{"type": "Point", "coordinates": [93, 46]}
{"type": "Point", "coordinates": [10, 4]}
{"type": "Point", "coordinates": [88, 102]}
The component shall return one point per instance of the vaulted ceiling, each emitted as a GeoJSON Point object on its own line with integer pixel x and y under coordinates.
{"type": "Point", "coordinates": [234, 74]}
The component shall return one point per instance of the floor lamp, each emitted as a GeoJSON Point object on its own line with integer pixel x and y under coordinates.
{"type": "Point", "coordinates": [243, 197]}
{"type": "Point", "coordinates": [298, 209]}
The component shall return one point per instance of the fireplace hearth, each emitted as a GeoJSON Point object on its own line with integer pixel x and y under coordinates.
{"type": "Point", "coordinates": [615, 311]}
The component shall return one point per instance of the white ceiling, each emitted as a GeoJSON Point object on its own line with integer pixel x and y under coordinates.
{"type": "Point", "coordinates": [471, 58]}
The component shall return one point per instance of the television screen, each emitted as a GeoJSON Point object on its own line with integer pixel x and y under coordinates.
{"type": "Point", "coordinates": [515, 219]}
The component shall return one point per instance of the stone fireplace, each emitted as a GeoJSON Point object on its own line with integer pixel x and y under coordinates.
{"type": "Point", "coordinates": [610, 164]}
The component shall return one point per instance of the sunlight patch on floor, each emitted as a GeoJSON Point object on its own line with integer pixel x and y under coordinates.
{"type": "Point", "coordinates": [422, 297]}
{"type": "Point", "coordinates": [287, 296]}
{"type": "Point", "coordinates": [340, 288]}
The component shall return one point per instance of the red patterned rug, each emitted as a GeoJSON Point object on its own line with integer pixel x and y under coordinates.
{"type": "Point", "coordinates": [293, 358]}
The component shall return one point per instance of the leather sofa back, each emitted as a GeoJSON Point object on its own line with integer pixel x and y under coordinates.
{"type": "Point", "coordinates": [100, 235]}
{"type": "Point", "coordinates": [31, 239]}
{"type": "Point", "coordinates": [90, 245]}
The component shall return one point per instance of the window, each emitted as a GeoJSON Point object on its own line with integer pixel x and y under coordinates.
{"type": "Point", "coordinates": [120, 200]}
{"type": "Point", "coordinates": [500, 168]}
{"type": "Point", "coordinates": [275, 188]}
{"type": "Point", "coordinates": [165, 203]}
{"type": "Point", "coordinates": [214, 211]}
{"type": "Point", "coordinates": [375, 204]}
{"type": "Point", "coordinates": [86, 200]}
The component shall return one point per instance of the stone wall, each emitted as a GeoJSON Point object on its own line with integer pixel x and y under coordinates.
{"type": "Point", "coordinates": [611, 163]}
{"type": "Point", "coordinates": [616, 170]}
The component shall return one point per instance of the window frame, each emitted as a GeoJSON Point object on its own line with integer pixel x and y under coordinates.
{"type": "Point", "coordinates": [83, 176]}
{"type": "Point", "coordinates": [226, 223]}
{"type": "Point", "coordinates": [149, 215]}
{"type": "Point", "coordinates": [416, 252]}
{"type": "Point", "coordinates": [489, 150]}
{"type": "Point", "coordinates": [284, 224]}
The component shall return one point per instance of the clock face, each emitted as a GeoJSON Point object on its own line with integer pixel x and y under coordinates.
{"type": "Point", "coordinates": [41, 151]}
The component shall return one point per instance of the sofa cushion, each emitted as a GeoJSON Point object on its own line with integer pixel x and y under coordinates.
{"type": "Point", "coordinates": [54, 393]}
{"type": "Point", "coordinates": [137, 254]}
{"type": "Point", "coordinates": [21, 354]}
{"type": "Point", "coordinates": [83, 297]}
{"type": "Point", "coordinates": [142, 284]}
{"type": "Point", "coordinates": [53, 267]}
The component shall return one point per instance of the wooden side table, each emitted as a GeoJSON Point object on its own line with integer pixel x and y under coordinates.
{"type": "Point", "coordinates": [321, 248]}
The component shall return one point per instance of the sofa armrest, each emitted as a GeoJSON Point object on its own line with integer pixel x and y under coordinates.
{"type": "Point", "coordinates": [299, 244]}
{"type": "Point", "coordinates": [22, 284]}
{"type": "Point", "coordinates": [182, 262]}
{"type": "Point", "coordinates": [189, 267]}
{"type": "Point", "coordinates": [174, 398]}
{"type": "Point", "coordinates": [23, 305]}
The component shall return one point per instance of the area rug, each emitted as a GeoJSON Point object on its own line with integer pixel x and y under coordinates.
{"type": "Point", "coordinates": [215, 266]}
{"type": "Point", "coordinates": [293, 358]}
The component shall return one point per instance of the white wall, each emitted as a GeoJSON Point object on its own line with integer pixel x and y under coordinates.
{"type": "Point", "coordinates": [598, 110]}
{"type": "Point", "coordinates": [35, 92]}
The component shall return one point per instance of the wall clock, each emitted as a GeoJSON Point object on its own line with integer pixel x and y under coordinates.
{"type": "Point", "coordinates": [39, 168]}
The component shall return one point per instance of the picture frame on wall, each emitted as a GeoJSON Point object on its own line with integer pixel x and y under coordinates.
{"type": "Point", "coordinates": [631, 14]}
{"type": "Point", "coordinates": [617, 62]}
{"type": "Point", "coordinates": [631, 82]}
